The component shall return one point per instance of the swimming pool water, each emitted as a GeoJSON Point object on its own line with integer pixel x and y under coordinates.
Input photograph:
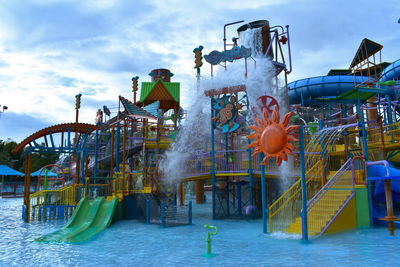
{"type": "Point", "coordinates": [238, 243]}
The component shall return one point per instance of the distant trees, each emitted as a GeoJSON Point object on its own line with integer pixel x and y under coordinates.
{"type": "Point", "coordinates": [17, 162]}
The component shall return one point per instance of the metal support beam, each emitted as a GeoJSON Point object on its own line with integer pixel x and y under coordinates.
{"type": "Point", "coordinates": [263, 195]}
{"type": "Point", "coordinates": [27, 186]}
{"type": "Point", "coordinates": [304, 223]}
{"type": "Point", "coordinates": [213, 178]}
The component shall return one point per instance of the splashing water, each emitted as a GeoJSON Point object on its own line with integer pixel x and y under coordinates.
{"type": "Point", "coordinates": [195, 133]}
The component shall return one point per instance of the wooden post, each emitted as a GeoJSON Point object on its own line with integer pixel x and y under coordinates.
{"type": "Point", "coordinates": [27, 185]}
{"type": "Point", "coordinates": [199, 190]}
{"type": "Point", "coordinates": [181, 194]}
{"type": "Point", "coordinates": [389, 207]}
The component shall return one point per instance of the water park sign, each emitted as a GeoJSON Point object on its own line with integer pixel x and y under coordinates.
{"type": "Point", "coordinates": [216, 57]}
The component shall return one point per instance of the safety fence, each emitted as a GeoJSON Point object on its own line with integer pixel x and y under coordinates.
{"type": "Point", "coordinates": [168, 214]}
{"type": "Point", "coordinates": [174, 215]}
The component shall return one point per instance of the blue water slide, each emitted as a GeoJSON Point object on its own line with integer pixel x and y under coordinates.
{"type": "Point", "coordinates": [322, 86]}
{"type": "Point", "coordinates": [377, 174]}
{"type": "Point", "coordinates": [391, 72]}
{"type": "Point", "coordinates": [331, 86]}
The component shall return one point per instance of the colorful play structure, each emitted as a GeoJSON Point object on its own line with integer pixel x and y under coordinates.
{"type": "Point", "coordinates": [328, 165]}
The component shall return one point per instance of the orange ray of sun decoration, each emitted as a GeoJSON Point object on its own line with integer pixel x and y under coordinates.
{"type": "Point", "coordinates": [273, 137]}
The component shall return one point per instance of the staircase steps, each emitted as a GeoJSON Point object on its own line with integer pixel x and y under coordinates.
{"type": "Point", "coordinates": [323, 211]}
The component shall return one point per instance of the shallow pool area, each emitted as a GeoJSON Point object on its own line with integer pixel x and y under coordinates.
{"type": "Point", "coordinates": [238, 243]}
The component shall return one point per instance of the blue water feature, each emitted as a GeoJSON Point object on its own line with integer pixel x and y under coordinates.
{"type": "Point", "coordinates": [377, 174]}
{"type": "Point", "coordinates": [391, 72]}
{"type": "Point", "coordinates": [238, 243]}
{"type": "Point", "coordinates": [329, 86]}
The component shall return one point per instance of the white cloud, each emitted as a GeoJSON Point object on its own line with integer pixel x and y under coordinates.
{"type": "Point", "coordinates": [52, 50]}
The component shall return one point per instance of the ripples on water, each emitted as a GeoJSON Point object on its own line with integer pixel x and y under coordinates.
{"type": "Point", "coordinates": [132, 243]}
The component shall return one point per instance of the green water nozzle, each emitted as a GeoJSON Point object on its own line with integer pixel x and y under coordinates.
{"type": "Point", "coordinates": [211, 227]}
{"type": "Point", "coordinates": [208, 253]}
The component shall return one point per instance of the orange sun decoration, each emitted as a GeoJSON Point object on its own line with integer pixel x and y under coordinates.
{"type": "Point", "coordinates": [272, 137]}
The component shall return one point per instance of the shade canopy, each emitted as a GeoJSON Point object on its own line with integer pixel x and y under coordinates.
{"type": "Point", "coordinates": [49, 173]}
{"type": "Point", "coordinates": [5, 170]}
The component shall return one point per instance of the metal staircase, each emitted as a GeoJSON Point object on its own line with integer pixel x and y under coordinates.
{"type": "Point", "coordinates": [327, 204]}
{"type": "Point", "coordinates": [287, 207]}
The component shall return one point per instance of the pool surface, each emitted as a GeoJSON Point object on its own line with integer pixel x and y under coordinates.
{"type": "Point", "coordinates": [238, 243]}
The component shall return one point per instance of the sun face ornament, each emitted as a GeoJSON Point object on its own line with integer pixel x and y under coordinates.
{"type": "Point", "coordinates": [273, 137]}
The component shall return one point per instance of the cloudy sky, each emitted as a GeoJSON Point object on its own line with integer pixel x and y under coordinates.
{"type": "Point", "coordinates": [52, 50]}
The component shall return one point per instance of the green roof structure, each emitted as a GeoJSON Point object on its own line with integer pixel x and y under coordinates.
{"type": "Point", "coordinates": [168, 93]}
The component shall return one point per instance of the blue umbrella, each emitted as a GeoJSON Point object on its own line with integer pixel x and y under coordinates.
{"type": "Point", "coordinates": [49, 173]}
{"type": "Point", "coordinates": [5, 170]}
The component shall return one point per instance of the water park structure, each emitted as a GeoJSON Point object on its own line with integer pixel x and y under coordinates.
{"type": "Point", "coordinates": [311, 157]}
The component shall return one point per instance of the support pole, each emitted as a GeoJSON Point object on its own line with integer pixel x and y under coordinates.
{"type": "Point", "coordinates": [323, 153]}
{"type": "Point", "coordinates": [304, 223]}
{"type": "Point", "coordinates": [96, 155]}
{"type": "Point", "coordinates": [127, 181]}
{"type": "Point", "coordinates": [112, 151]}
{"type": "Point", "coordinates": [239, 199]}
{"type": "Point", "coordinates": [250, 167]}
{"type": "Point", "coordinates": [117, 147]}
{"type": "Point", "coordinates": [147, 211]}
{"type": "Point", "coordinates": [263, 196]}
{"type": "Point", "coordinates": [363, 130]}
{"type": "Point", "coordinates": [190, 222]}
{"type": "Point", "coordinates": [390, 218]}
{"type": "Point", "coordinates": [213, 178]}
{"type": "Point", "coordinates": [199, 190]}
{"type": "Point", "coordinates": [82, 168]}
{"type": "Point", "coordinates": [226, 152]}
{"type": "Point", "coordinates": [77, 168]}
{"type": "Point", "coordinates": [162, 214]}
{"type": "Point", "coordinates": [27, 186]}
{"type": "Point", "coordinates": [181, 195]}
{"type": "Point", "coordinates": [389, 110]}
{"type": "Point", "coordinates": [86, 166]}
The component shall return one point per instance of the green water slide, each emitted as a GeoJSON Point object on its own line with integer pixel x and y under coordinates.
{"type": "Point", "coordinates": [89, 218]}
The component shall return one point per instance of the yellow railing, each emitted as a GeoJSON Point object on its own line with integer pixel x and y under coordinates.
{"type": "Point", "coordinates": [125, 185]}
{"type": "Point", "coordinates": [285, 209]}
{"type": "Point", "coordinates": [44, 203]}
{"type": "Point", "coordinates": [385, 135]}
{"type": "Point", "coordinates": [118, 186]}
{"type": "Point", "coordinates": [62, 196]}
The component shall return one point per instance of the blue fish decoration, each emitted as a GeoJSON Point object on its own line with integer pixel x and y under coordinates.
{"type": "Point", "coordinates": [216, 57]}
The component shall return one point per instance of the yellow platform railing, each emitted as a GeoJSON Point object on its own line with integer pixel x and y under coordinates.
{"type": "Point", "coordinates": [62, 196]}
{"type": "Point", "coordinates": [384, 136]}
{"type": "Point", "coordinates": [283, 211]}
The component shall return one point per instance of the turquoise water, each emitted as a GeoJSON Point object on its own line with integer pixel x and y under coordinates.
{"type": "Point", "coordinates": [133, 243]}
